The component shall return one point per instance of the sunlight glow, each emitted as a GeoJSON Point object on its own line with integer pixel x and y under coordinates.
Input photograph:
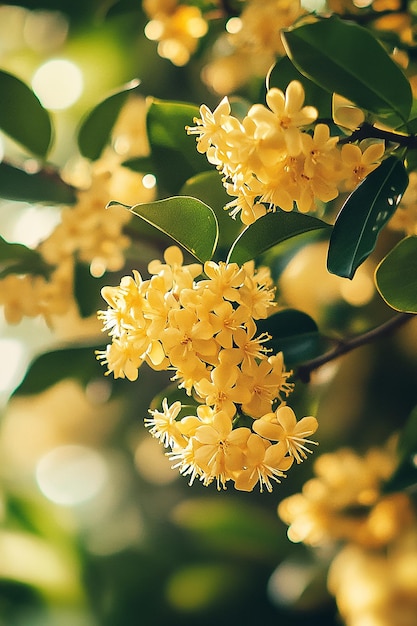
{"type": "Point", "coordinates": [12, 354]}
{"type": "Point", "coordinates": [71, 475]}
{"type": "Point", "coordinates": [58, 83]}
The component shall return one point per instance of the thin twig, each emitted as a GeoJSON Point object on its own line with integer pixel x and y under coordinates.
{"type": "Point", "coordinates": [365, 131]}
{"type": "Point", "coordinates": [305, 370]}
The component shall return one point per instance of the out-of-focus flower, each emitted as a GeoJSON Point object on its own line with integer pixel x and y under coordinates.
{"type": "Point", "coordinates": [176, 27]}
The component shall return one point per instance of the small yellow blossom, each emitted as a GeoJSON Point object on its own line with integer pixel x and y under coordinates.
{"type": "Point", "coordinates": [263, 462]}
{"type": "Point", "coordinates": [163, 425]}
{"type": "Point", "coordinates": [283, 426]}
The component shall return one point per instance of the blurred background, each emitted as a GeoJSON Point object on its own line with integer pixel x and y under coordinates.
{"type": "Point", "coordinates": [96, 529]}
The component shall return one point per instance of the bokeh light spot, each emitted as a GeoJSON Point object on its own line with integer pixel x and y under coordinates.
{"type": "Point", "coordinates": [58, 83]}
{"type": "Point", "coordinates": [71, 474]}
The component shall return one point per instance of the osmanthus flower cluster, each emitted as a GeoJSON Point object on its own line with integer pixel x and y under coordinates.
{"type": "Point", "coordinates": [371, 534]}
{"type": "Point", "coordinates": [276, 157]}
{"type": "Point", "coordinates": [205, 332]}
{"type": "Point", "coordinates": [86, 232]}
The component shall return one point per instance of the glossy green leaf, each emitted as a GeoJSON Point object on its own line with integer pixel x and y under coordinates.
{"type": "Point", "coordinates": [284, 71]}
{"type": "Point", "coordinates": [22, 116]}
{"type": "Point", "coordinates": [49, 368]}
{"type": "Point", "coordinates": [188, 221]}
{"type": "Point", "coordinates": [363, 215]}
{"type": "Point", "coordinates": [43, 186]}
{"type": "Point", "coordinates": [405, 475]}
{"type": "Point", "coordinates": [295, 334]}
{"type": "Point", "coordinates": [95, 130]}
{"type": "Point", "coordinates": [270, 230]}
{"type": "Point", "coordinates": [174, 153]}
{"type": "Point", "coordinates": [15, 258]}
{"type": "Point", "coordinates": [208, 187]}
{"type": "Point", "coordinates": [396, 276]}
{"type": "Point", "coordinates": [347, 59]}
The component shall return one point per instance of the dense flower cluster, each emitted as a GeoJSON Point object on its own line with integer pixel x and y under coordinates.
{"type": "Point", "coordinates": [373, 575]}
{"type": "Point", "coordinates": [205, 331]}
{"type": "Point", "coordinates": [270, 159]}
{"type": "Point", "coordinates": [86, 232]}
{"type": "Point", "coordinates": [251, 44]}
{"type": "Point", "coordinates": [176, 27]}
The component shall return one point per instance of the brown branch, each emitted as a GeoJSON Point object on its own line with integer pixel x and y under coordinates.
{"type": "Point", "coordinates": [305, 370]}
{"type": "Point", "coordinates": [365, 131]}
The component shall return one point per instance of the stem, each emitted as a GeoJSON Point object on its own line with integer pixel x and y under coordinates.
{"type": "Point", "coordinates": [366, 130]}
{"type": "Point", "coordinates": [304, 371]}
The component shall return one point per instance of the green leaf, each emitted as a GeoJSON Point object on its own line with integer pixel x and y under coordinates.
{"type": "Point", "coordinates": [363, 215]}
{"type": "Point", "coordinates": [283, 72]}
{"type": "Point", "coordinates": [87, 289]}
{"type": "Point", "coordinates": [95, 130]}
{"type": "Point", "coordinates": [22, 116]}
{"type": "Point", "coordinates": [174, 153]}
{"type": "Point", "coordinates": [405, 475]}
{"type": "Point", "coordinates": [15, 258]}
{"type": "Point", "coordinates": [345, 58]}
{"type": "Point", "coordinates": [208, 187]}
{"type": "Point", "coordinates": [270, 230]}
{"type": "Point", "coordinates": [396, 276]}
{"type": "Point", "coordinates": [43, 186]}
{"type": "Point", "coordinates": [188, 221]}
{"type": "Point", "coordinates": [49, 368]}
{"type": "Point", "coordinates": [295, 334]}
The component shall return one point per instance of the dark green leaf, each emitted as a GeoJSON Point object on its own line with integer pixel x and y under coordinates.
{"type": "Point", "coordinates": [295, 334]}
{"type": "Point", "coordinates": [208, 187]}
{"type": "Point", "coordinates": [396, 276]}
{"type": "Point", "coordinates": [49, 368]}
{"type": "Point", "coordinates": [15, 258]}
{"type": "Point", "coordinates": [270, 230]}
{"type": "Point", "coordinates": [43, 186]}
{"type": "Point", "coordinates": [364, 214]}
{"type": "Point", "coordinates": [174, 153]}
{"type": "Point", "coordinates": [22, 116]}
{"type": "Point", "coordinates": [230, 526]}
{"type": "Point", "coordinates": [188, 221]}
{"type": "Point", "coordinates": [144, 165]}
{"type": "Point", "coordinates": [87, 289]}
{"type": "Point", "coordinates": [95, 130]}
{"type": "Point", "coordinates": [283, 72]}
{"type": "Point", "coordinates": [345, 58]}
{"type": "Point", "coordinates": [405, 475]}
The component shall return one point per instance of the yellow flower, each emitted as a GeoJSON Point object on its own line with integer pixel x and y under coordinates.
{"type": "Point", "coordinates": [263, 462]}
{"type": "Point", "coordinates": [176, 275]}
{"type": "Point", "coordinates": [224, 279]}
{"type": "Point", "coordinates": [283, 426]}
{"type": "Point", "coordinates": [122, 359]}
{"type": "Point", "coordinates": [221, 449]}
{"type": "Point", "coordinates": [163, 425]}
{"type": "Point", "coordinates": [357, 164]}
{"type": "Point", "coordinates": [209, 129]}
{"type": "Point", "coordinates": [225, 388]}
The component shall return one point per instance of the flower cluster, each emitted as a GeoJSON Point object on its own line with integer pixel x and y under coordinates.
{"type": "Point", "coordinates": [250, 45]}
{"type": "Point", "coordinates": [177, 28]}
{"type": "Point", "coordinates": [86, 232]}
{"type": "Point", "coordinates": [271, 159]}
{"type": "Point", "coordinates": [371, 535]}
{"type": "Point", "coordinates": [205, 331]}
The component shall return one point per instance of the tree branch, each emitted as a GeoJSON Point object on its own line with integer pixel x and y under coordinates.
{"type": "Point", "coordinates": [366, 131]}
{"type": "Point", "coordinates": [305, 370]}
